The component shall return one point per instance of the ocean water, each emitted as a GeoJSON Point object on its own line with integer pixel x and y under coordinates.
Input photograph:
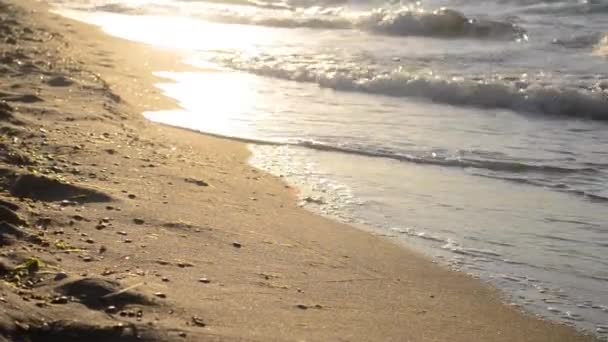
{"type": "Point", "coordinates": [473, 131]}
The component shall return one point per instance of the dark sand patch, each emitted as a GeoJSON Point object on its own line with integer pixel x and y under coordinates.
{"type": "Point", "coordinates": [42, 188]}
{"type": "Point", "coordinates": [101, 293]}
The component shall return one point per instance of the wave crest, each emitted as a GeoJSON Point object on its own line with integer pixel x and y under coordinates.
{"type": "Point", "coordinates": [517, 94]}
{"type": "Point", "coordinates": [404, 21]}
{"type": "Point", "coordinates": [443, 23]}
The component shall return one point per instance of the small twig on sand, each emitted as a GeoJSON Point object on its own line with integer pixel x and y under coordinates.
{"type": "Point", "coordinates": [112, 294]}
{"type": "Point", "coordinates": [351, 280]}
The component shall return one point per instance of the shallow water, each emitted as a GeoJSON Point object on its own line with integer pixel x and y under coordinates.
{"type": "Point", "coordinates": [477, 134]}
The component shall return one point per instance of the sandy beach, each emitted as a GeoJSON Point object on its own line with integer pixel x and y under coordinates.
{"type": "Point", "coordinates": [113, 228]}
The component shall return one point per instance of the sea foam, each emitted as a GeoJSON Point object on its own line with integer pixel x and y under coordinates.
{"type": "Point", "coordinates": [518, 94]}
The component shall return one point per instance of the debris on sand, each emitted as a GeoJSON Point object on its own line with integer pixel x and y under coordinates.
{"type": "Point", "coordinates": [196, 181]}
{"type": "Point", "coordinates": [198, 321]}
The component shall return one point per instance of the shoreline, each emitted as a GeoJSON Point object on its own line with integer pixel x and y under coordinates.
{"type": "Point", "coordinates": [251, 264]}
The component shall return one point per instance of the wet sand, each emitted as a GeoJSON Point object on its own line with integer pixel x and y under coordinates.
{"type": "Point", "coordinates": [113, 228]}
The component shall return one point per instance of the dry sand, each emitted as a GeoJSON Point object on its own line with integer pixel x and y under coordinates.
{"type": "Point", "coordinates": [116, 229]}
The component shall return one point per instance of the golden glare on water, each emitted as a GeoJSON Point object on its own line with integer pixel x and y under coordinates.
{"type": "Point", "coordinates": [216, 101]}
{"type": "Point", "coordinates": [169, 31]}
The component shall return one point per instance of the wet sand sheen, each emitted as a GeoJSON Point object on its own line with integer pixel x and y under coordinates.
{"type": "Point", "coordinates": [188, 242]}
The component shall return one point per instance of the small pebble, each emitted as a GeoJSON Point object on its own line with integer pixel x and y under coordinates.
{"type": "Point", "coordinates": [60, 276]}
{"type": "Point", "coordinates": [237, 244]}
{"type": "Point", "coordinates": [204, 280]}
{"type": "Point", "coordinates": [165, 279]}
{"type": "Point", "coordinates": [138, 221]}
{"type": "Point", "coordinates": [87, 259]}
{"type": "Point", "coordinates": [160, 295]}
{"type": "Point", "coordinates": [60, 300]}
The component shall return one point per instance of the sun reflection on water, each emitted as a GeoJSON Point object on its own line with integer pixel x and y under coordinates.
{"type": "Point", "coordinates": [216, 102]}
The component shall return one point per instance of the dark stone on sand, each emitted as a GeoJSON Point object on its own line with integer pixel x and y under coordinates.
{"type": "Point", "coordinates": [9, 216]}
{"type": "Point", "coordinates": [45, 189]}
{"type": "Point", "coordinates": [204, 280]}
{"type": "Point", "coordinates": [237, 245]}
{"type": "Point", "coordinates": [60, 276]}
{"type": "Point", "coordinates": [138, 221]}
{"type": "Point", "coordinates": [60, 81]}
{"type": "Point", "coordinates": [78, 217]}
{"type": "Point", "coordinates": [160, 295]}
{"type": "Point", "coordinates": [131, 196]}
{"type": "Point", "coordinates": [100, 293]}
{"type": "Point", "coordinates": [302, 306]}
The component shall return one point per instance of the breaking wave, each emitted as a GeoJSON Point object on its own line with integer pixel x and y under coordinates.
{"type": "Point", "coordinates": [404, 21]}
{"type": "Point", "coordinates": [517, 94]}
